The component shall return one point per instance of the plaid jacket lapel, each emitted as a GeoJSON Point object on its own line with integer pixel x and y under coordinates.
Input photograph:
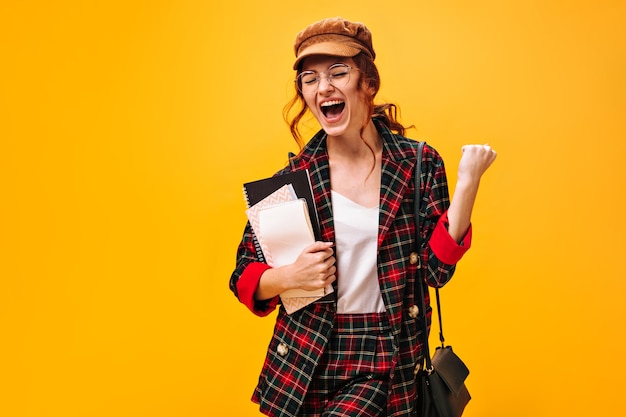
{"type": "Point", "coordinates": [315, 158]}
{"type": "Point", "coordinates": [395, 223]}
{"type": "Point", "coordinates": [397, 172]}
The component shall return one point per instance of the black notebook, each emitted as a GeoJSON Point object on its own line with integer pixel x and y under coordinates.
{"type": "Point", "coordinates": [256, 191]}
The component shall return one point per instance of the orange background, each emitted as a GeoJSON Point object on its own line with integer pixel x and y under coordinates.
{"type": "Point", "coordinates": [128, 128]}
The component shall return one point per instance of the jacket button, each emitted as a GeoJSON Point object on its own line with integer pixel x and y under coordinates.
{"type": "Point", "coordinates": [282, 349]}
{"type": "Point", "coordinates": [413, 258]}
{"type": "Point", "coordinates": [417, 370]}
{"type": "Point", "coordinates": [414, 311]}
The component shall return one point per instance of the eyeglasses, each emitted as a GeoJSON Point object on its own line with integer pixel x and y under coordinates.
{"type": "Point", "coordinates": [337, 75]}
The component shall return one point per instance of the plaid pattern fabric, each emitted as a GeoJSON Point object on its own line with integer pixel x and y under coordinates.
{"type": "Point", "coordinates": [352, 376]}
{"type": "Point", "coordinates": [300, 339]}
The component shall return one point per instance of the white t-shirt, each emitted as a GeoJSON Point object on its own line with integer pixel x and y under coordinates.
{"type": "Point", "coordinates": [356, 236]}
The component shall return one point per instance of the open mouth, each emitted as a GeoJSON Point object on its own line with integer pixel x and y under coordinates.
{"type": "Point", "coordinates": [332, 108]}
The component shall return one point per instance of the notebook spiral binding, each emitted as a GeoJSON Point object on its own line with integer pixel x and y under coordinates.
{"type": "Point", "coordinates": [257, 245]}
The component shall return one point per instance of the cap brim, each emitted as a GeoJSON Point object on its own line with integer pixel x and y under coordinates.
{"type": "Point", "coordinates": [327, 48]}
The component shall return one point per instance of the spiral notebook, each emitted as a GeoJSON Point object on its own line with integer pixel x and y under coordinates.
{"type": "Point", "coordinates": [282, 213]}
{"type": "Point", "coordinates": [283, 195]}
{"type": "Point", "coordinates": [256, 191]}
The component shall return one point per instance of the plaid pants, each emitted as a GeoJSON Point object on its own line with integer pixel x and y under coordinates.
{"type": "Point", "coordinates": [352, 377]}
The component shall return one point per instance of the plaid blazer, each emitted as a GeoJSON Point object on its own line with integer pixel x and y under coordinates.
{"type": "Point", "coordinates": [299, 339]}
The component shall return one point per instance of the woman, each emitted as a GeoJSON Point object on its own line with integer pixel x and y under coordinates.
{"type": "Point", "coordinates": [358, 354]}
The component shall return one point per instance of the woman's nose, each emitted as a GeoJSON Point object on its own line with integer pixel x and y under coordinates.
{"type": "Point", "coordinates": [325, 84]}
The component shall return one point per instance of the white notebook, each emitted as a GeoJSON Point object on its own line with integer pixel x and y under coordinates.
{"type": "Point", "coordinates": [286, 230]}
{"type": "Point", "coordinates": [283, 194]}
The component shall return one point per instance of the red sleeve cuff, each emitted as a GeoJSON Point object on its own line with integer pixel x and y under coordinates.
{"type": "Point", "coordinates": [247, 285]}
{"type": "Point", "coordinates": [444, 247]}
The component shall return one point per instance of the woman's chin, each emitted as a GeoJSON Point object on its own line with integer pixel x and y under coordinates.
{"type": "Point", "coordinates": [335, 126]}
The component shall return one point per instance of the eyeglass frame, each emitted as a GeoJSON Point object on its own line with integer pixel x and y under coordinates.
{"type": "Point", "coordinates": [319, 77]}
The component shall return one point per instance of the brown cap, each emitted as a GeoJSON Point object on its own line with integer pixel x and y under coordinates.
{"type": "Point", "coordinates": [334, 37]}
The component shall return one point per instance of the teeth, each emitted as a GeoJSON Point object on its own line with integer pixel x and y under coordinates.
{"type": "Point", "coordinates": [331, 103]}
